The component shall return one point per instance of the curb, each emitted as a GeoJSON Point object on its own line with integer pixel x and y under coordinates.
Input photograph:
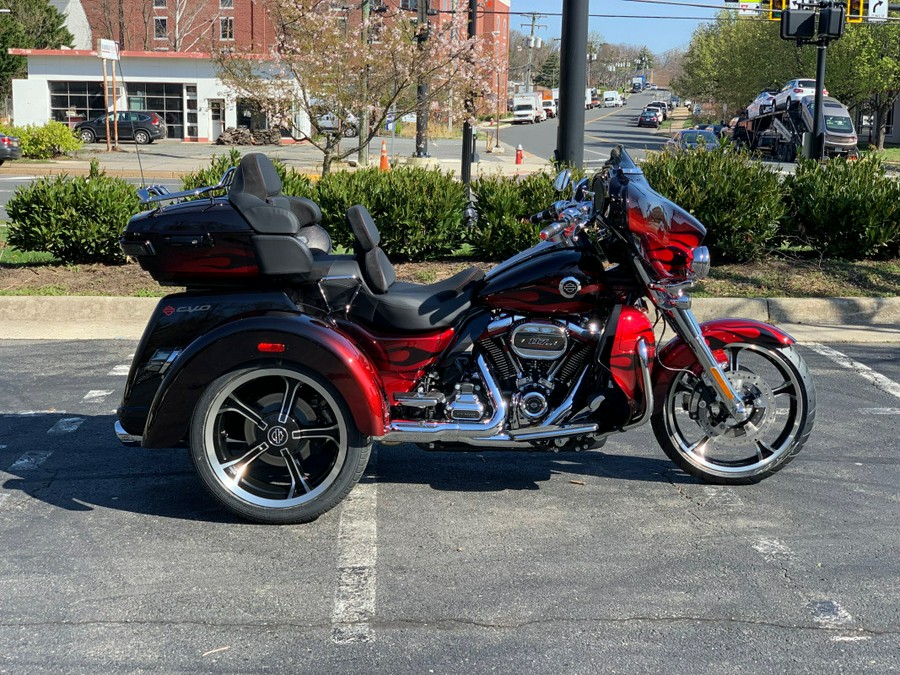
{"type": "Point", "coordinates": [808, 320]}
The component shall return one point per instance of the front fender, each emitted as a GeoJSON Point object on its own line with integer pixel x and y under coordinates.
{"type": "Point", "coordinates": [308, 342]}
{"type": "Point", "coordinates": [718, 333]}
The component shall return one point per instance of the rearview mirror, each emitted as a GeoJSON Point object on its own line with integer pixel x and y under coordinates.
{"type": "Point", "coordinates": [563, 180]}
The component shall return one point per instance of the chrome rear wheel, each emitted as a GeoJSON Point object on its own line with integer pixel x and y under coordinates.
{"type": "Point", "coordinates": [697, 432]}
{"type": "Point", "coordinates": [276, 444]}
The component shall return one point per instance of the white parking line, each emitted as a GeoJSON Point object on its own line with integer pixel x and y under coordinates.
{"type": "Point", "coordinates": [119, 371]}
{"type": "Point", "coordinates": [66, 425]}
{"type": "Point", "coordinates": [879, 411]}
{"type": "Point", "coordinates": [96, 395]}
{"type": "Point", "coordinates": [772, 550]}
{"type": "Point", "coordinates": [884, 383]}
{"type": "Point", "coordinates": [30, 460]}
{"type": "Point", "coordinates": [354, 599]}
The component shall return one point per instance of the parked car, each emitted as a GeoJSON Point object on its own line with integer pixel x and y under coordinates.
{"type": "Point", "coordinates": [549, 108]}
{"type": "Point", "coordinates": [662, 105]}
{"type": "Point", "coordinates": [840, 136]}
{"type": "Point", "coordinates": [692, 138]}
{"type": "Point", "coordinates": [762, 104]}
{"type": "Point", "coordinates": [649, 118]}
{"type": "Point", "coordinates": [329, 123]}
{"type": "Point", "coordinates": [140, 126]}
{"type": "Point", "coordinates": [596, 102]}
{"type": "Point", "coordinates": [793, 91]}
{"type": "Point", "coordinates": [658, 111]}
{"type": "Point", "coordinates": [9, 148]}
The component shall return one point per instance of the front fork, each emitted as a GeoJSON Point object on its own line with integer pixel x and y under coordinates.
{"type": "Point", "coordinates": [684, 323]}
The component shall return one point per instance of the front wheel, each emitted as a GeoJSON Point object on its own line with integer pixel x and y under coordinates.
{"type": "Point", "coordinates": [697, 433]}
{"type": "Point", "coordinates": [276, 445]}
{"type": "Point", "coordinates": [141, 137]}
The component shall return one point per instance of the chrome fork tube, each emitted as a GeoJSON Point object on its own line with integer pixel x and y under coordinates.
{"type": "Point", "coordinates": [685, 324]}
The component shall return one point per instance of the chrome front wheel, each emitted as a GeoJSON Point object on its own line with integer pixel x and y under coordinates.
{"type": "Point", "coordinates": [276, 445]}
{"type": "Point", "coordinates": [698, 433]}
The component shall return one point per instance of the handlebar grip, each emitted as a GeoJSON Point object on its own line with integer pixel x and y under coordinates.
{"type": "Point", "coordinates": [547, 214]}
{"type": "Point", "coordinates": [552, 230]}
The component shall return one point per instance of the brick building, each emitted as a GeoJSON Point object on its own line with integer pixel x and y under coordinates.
{"type": "Point", "coordinates": [165, 60]}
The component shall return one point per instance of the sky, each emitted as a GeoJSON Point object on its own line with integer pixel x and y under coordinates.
{"type": "Point", "coordinates": [659, 35]}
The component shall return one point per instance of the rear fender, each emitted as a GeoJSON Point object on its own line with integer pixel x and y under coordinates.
{"type": "Point", "coordinates": [718, 333]}
{"type": "Point", "coordinates": [307, 342]}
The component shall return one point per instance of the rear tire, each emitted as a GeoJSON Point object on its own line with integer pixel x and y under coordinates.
{"type": "Point", "coordinates": [141, 137]}
{"type": "Point", "coordinates": [87, 136]}
{"type": "Point", "coordinates": [697, 434]}
{"type": "Point", "coordinates": [276, 444]}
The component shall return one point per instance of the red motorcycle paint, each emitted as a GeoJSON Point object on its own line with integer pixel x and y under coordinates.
{"type": "Point", "coordinates": [633, 325]}
{"type": "Point", "coordinates": [400, 359]}
{"type": "Point", "coordinates": [666, 233]}
{"type": "Point", "coordinates": [718, 333]}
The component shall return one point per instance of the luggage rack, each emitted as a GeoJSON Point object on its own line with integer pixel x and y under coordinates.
{"type": "Point", "coordinates": [153, 194]}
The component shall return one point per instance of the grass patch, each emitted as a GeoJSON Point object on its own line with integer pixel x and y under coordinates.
{"type": "Point", "coordinates": [13, 256]}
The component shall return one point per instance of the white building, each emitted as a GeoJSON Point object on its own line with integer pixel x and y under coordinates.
{"type": "Point", "coordinates": [67, 85]}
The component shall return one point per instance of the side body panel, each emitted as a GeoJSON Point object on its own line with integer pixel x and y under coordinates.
{"type": "Point", "coordinates": [306, 342]}
{"type": "Point", "coordinates": [633, 325]}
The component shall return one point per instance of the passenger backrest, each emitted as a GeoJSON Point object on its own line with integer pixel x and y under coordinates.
{"type": "Point", "coordinates": [376, 268]}
{"type": "Point", "coordinates": [255, 193]}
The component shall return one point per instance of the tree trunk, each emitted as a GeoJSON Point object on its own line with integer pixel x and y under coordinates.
{"type": "Point", "coordinates": [884, 111]}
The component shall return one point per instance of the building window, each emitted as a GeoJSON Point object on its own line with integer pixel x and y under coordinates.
{"type": "Point", "coordinates": [167, 99]}
{"type": "Point", "coordinates": [226, 4]}
{"type": "Point", "coordinates": [409, 4]}
{"type": "Point", "coordinates": [73, 102]}
{"type": "Point", "coordinates": [226, 28]}
{"type": "Point", "coordinates": [161, 28]}
{"type": "Point", "coordinates": [159, 4]}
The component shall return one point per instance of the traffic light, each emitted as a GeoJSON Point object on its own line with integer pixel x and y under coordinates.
{"type": "Point", "coordinates": [856, 11]}
{"type": "Point", "coordinates": [776, 7]}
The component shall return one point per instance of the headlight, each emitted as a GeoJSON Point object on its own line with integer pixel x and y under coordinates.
{"type": "Point", "coordinates": [701, 262]}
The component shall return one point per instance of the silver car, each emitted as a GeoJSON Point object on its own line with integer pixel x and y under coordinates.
{"type": "Point", "coordinates": [761, 105]}
{"type": "Point", "coordinates": [840, 136]}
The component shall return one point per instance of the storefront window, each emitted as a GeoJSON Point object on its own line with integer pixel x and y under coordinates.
{"type": "Point", "coordinates": [73, 102]}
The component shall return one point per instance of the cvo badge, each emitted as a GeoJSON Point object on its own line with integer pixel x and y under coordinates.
{"type": "Point", "coordinates": [569, 287]}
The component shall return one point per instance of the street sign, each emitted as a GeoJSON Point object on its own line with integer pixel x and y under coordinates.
{"type": "Point", "coordinates": [878, 11]}
{"type": "Point", "coordinates": [108, 49]}
{"type": "Point", "coordinates": [749, 8]}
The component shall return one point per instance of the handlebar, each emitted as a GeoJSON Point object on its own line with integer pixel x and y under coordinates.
{"type": "Point", "coordinates": [549, 213]}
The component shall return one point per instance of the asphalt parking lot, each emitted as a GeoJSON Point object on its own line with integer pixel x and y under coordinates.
{"type": "Point", "coordinates": [115, 560]}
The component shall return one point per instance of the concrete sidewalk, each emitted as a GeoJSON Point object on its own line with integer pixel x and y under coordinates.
{"type": "Point", "coordinates": [861, 320]}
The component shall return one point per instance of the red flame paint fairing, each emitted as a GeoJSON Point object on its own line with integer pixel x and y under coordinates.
{"type": "Point", "coordinates": [666, 234]}
{"type": "Point", "coordinates": [633, 325]}
{"type": "Point", "coordinates": [401, 360]}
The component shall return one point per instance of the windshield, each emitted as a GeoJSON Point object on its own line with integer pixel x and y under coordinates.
{"type": "Point", "coordinates": [524, 106]}
{"type": "Point", "coordinates": [838, 124]}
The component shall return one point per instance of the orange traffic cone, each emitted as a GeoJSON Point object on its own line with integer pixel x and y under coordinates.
{"type": "Point", "coordinates": [384, 165]}
{"type": "Point", "coordinates": [520, 154]}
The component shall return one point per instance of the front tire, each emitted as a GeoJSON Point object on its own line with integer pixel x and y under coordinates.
{"type": "Point", "coordinates": [141, 137]}
{"type": "Point", "coordinates": [276, 445]}
{"type": "Point", "coordinates": [87, 136]}
{"type": "Point", "coordinates": [697, 433]}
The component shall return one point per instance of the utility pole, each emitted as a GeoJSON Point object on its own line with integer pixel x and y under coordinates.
{"type": "Point", "coordinates": [529, 82]}
{"type": "Point", "coordinates": [363, 155]}
{"type": "Point", "coordinates": [572, 76]}
{"type": "Point", "coordinates": [468, 143]}
{"type": "Point", "coordinates": [422, 29]}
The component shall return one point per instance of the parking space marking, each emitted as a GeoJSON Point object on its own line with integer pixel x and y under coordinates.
{"type": "Point", "coordinates": [3, 497]}
{"type": "Point", "coordinates": [96, 395]}
{"type": "Point", "coordinates": [354, 599]}
{"type": "Point", "coordinates": [119, 371]}
{"type": "Point", "coordinates": [29, 461]}
{"type": "Point", "coordinates": [66, 425]}
{"type": "Point", "coordinates": [772, 550]}
{"type": "Point", "coordinates": [884, 383]}
{"type": "Point", "coordinates": [829, 613]}
{"type": "Point", "coordinates": [879, 411]}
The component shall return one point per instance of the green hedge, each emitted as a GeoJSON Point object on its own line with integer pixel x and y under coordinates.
{"type": "Point", "coordinates": [845, 209]}
{"type": "Point", "coordinates": [44, 142]}
{"type": "Point", "coordinates": [77, 220]}
{"type": "Point", "coordinates": [739, 200]}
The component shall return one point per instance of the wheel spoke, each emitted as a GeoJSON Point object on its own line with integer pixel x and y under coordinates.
{"type": "Point", "coordinates": [700, 447]}
{"type": "Point", "coordinates": [331, 433]}
{"type": "Point", "coordinates": [245, 460]}
{"type": "Point", "coordinates": [296, 472]}
{"type": "Point", "coordinates": [763, 451]}
{"type": "Point", "coordinates": [733, 359]}
{"type": "Point", "coordinates": [786, 387]}
{"type": "Point", "coordinates": [287, 402]}
{"type": "Point", "coordinates": [241, 408]}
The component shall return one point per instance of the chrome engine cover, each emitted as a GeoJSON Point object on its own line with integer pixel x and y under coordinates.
{"type": "Point", "coordinates": [541, 340]}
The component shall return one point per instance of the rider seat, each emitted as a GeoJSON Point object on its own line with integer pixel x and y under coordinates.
{"type": "Point", "coordinates": [393, 304]}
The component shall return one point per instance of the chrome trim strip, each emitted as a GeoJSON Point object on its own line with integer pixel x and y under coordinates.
{"type": "Point", "coordinates": [644, 366]}
{"type": "Point", "coordinates": [554, 432]}
{"type": "Point", "coordinates": [126, 439]}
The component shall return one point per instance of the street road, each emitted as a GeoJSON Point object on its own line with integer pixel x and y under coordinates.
{"type": "Point", "coordinates": [604, 129]}
{"type": "Point", "coordinates": [115, 559]}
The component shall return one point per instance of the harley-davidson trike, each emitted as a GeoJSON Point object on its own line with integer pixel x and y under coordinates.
{"type": "Point", "coordinates": [282, 362]}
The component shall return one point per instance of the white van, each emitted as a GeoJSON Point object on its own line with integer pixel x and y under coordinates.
{"type": "Point", "coordinates": [612, 99]}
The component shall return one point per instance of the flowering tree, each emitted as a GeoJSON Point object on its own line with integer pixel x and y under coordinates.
{"type": "Point", "coordinates": [321, 64]}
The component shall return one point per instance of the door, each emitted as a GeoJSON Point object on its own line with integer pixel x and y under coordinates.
{"type": "Point", "coordinates": [216, 118]}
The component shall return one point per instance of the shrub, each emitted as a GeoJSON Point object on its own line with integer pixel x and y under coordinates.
{"type": "Point", "coordinates": [738, 200]}
{"type": "Point", "coordinates": [77, 220]}
{"type": "Point", "coordinates": [43, 142]}
{"type": "Point", "coordinates": [418, 211]}
{"type": "Point", "coordinates": [292, 183]}
{"type": "Point", "coordinates": [845, 209]}
{"type": "Point", "coordinates": [501, 230]}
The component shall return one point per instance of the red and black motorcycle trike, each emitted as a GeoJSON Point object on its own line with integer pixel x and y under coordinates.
{"type": "Point", "coordinates": [281, 363]}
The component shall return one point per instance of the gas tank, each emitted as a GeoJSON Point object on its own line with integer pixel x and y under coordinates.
{"type": "Point", "coordinates": [547, 279]}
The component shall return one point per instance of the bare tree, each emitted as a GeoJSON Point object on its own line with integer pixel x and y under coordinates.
{"type": "Point", "coordinates": [320, 65]}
